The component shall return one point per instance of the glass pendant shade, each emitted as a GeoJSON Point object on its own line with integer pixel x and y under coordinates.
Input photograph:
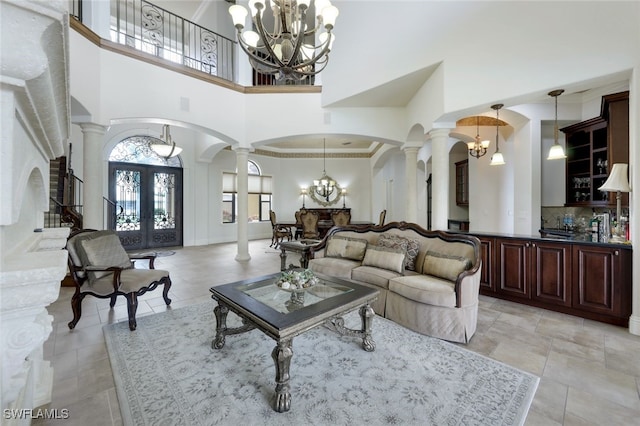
{"type": "Point", "coordinates": [497, 159]}
{"type": "Point", "coordinates": [556, 152]}
{"type": "Point", "coordinates": [167, 149]}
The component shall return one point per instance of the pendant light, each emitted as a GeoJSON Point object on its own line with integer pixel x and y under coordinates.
{"type": "Point", "coordinates": [556, 152]}
{"type": "Point", "coordinates": [497, 159]}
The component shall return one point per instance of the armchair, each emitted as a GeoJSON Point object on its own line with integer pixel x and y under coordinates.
{"type": "Point", "coordinates": [100, 267]}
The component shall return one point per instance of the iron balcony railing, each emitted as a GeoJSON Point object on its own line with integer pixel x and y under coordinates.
{"type": "Point", "coordinates": [156, 31]}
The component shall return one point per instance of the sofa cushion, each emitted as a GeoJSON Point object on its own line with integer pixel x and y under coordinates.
{"type": "Point", "coordinates": [425, 289]}
{"type": "Point", "coordinates": [385, 258]}
{"type": "Point", "coordinates": [411, 247]}
{"type": "Point", "coordinates": [372, 275]}
{"type": "Point", "coordinates": [131, 280]}
{"type": "Point", "coordinates": [346, 248]}
{"type": "Point", "coordinates": [444, 266]}
{"type": "Point", "coordinates": [333, 266]}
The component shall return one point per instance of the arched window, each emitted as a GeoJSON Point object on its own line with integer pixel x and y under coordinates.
{"type": "Point", "coordinates": [259, 195]}
{"type": "Point", "coordinates": [137, 149]}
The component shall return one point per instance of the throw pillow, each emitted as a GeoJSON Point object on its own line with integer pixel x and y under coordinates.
{"type": "Point", "coordinates": [410, 245]}
{"type": "Point", "coordinates": [346, 247]}
{"type": "Point", "coordinates": [104, 251]}
{"type": "Point", "coordinates": [444, 266]}
{"type": "Point", "coordinates": [391, 259]}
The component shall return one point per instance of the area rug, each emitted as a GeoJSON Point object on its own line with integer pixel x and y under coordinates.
{"type": "Point", "coordinates": [166, 373]}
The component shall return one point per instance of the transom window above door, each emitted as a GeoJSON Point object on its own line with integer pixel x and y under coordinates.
{"type": "Point", "coordinates": [137, 149]}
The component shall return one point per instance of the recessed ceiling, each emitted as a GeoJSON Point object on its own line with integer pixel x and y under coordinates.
{"type": "Point", "coordinates": [332, 143]}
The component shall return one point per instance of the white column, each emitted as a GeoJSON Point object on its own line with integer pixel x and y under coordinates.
{"type": "Point", "coordinates": [242, 157]}
{"type": "Point", "coordinates": [634, 197]}
{"type": "Point", "coordinates": [92, 210]}
{"type": "Point", "coordinates": [411, 174]}
{"type": "Point", "coordinates": [440, 178]}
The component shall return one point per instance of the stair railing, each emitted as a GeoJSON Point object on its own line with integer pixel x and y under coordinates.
{"type": "Point", "coordinates": [110, 213]}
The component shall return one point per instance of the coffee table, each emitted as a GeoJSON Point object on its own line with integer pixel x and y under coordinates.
{"type": "Point", "coordinates": [283, 315]}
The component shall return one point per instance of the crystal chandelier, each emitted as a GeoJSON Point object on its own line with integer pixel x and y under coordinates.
{"type": "Point", "coordinates": [324, 186]}
{"type": "Point", "coordinates": [478, 148]}
{"type": "Point", "coordinates": [288, 51]}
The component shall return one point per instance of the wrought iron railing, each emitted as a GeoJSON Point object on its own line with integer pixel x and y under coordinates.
{"type": "Point", "coordinates": [154, 30]}
{"type": "Point", "coordinates": [110, 213]}
{"type": "Point", "coordinates": [151, 29]}
{"type": "Point", "coordinates": [63, 215]}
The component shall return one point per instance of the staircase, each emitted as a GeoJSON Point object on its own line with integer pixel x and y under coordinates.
{"type": "Point", "coordinates": [63, 210]}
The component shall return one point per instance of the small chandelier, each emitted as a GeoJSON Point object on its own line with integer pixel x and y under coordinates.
{"type": "Point", "coordinates": [478, 149]}
{"type": "Point", "coordinates": [556, 152]}
{"type": "Point", "coordinates": [167, 149]}
{"type": "Point", "coordinates": [324, 186]}
{"type": "Point", "coordinates": [288, 51]}
{"type": "Point", "coordinates": [497, 159]}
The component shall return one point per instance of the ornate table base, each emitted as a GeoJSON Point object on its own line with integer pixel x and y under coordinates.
{"type": "Point", "coordinates": [283, 352]}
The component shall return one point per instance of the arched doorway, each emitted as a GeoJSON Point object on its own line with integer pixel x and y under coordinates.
{"type": "Point", "coordinates": [147, 191]}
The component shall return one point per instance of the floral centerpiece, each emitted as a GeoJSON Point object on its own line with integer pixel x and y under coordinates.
{"type": "Point", "coordinates": [297, 280]}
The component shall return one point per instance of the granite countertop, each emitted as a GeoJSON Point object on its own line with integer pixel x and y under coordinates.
{"type": "Point", "coordinates": [555, 235]}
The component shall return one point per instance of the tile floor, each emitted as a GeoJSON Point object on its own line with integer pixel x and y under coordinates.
{"type": "Point", "coordinates": [590, 371]}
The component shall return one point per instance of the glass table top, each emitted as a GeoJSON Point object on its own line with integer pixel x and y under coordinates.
{"type": "Point", "coordinates": [285, 301]}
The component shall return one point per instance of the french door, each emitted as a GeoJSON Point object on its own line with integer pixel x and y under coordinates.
{"type": "Point", "coordinates": [148, 204]}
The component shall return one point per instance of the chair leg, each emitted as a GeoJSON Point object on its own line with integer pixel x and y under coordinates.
{"type": "Point", "coordinates": [132, 307]}
{"type": "Point", "coordinates": [76, 306]}
{"type": "Point", "coordinates": [113, 301]}
{"type": "Point", "coordinates": [165, 292]}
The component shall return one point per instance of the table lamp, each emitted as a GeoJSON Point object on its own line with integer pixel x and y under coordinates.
{"type": "Point", "coordinates": [617, 182]}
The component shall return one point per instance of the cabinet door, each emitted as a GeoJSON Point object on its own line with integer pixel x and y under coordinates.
{"type": "Point", "coordinates": [487, 282]}
{"type": "Point", "coordinates": [551, 272]}
{"type": "Point", "coordinates": [602, 280]}
{"type": "Point", "coordinates": [513, 272]}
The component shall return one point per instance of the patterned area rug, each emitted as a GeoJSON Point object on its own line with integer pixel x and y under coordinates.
{"type": "Point", "coordinates": [166, 373]}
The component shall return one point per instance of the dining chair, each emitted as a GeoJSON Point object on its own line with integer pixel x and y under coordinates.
{"type": "Point", "coordinates": [309, 220]}
{"type": "Point", "coordinates": [280, 232]}
{"type": "Point", "coordinates": [341, 218]}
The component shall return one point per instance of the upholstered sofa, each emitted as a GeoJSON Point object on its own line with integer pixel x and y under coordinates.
{"type": "Point", "coordinates": [429, 281]}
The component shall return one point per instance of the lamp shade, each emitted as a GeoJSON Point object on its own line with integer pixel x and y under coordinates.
{"type": "Point", "coordinates": [556, 152]}
{"type": "Point", "coordinates": [497, 159]}
{"type": "Point", "coordinates": [166, 151]}
{"type": "Point", "coordinates": [617, 180]}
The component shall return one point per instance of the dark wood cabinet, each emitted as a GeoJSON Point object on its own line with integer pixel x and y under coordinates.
{"type": "Point", "coordinates": [602, 280]}
{"type": "Point", "coordinates": [551, 272]}
{"type": "Point", "coordinates": [513, 268]}
{"type": "Point", "coordinates": [487, 281]}
{"type": "Point", "coordinates": [462, 183]}
{"type": "Point", "coordinates": [590, 280]}
{"type": "Point", "coordinates": [593, 146]}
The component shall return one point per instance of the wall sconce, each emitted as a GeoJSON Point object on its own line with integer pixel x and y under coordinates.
{"type": "Point", "coordinates": [303, 191]}
{"type": "Point", "coordinates": [344, 197]}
